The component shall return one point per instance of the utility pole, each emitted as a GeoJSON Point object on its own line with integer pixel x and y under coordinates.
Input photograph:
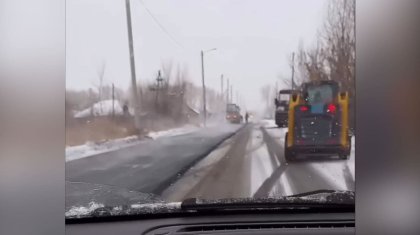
{"type": "Point", "coordinates": [204, 85]}
{"type": "Point", "coordinates": [159, 80]}
{"type": "Point", "coordinates": [221, 88]}
{"type": "Point", "coordinates": [113, 100]}
{"type": "Point", "coordinates": [227, 92]}
{"type": "Point", "coordinates": [132, 66]}
{"type": "Point", "coordinates": [293, 71]}
{"type": "Point", "coordinates": [204, 88]}
{"type": "Point", "coordinates": [222, 96]}
{"type": "Point", "coordinates": [231, 93]}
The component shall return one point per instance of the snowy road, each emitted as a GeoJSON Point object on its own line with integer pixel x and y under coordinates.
{"type": "Point", "coordinates": [224, 162]}
{"type": "Point", "coordinates": [251, 164]}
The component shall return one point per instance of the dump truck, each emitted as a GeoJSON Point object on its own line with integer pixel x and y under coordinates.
{"type": "Point", "coordinates": [233, 113]}
{"type": "Point", "coordinates": [282, 107]}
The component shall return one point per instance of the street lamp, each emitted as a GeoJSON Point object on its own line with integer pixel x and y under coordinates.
{"type": "Point", "coordinates": [204, 86]}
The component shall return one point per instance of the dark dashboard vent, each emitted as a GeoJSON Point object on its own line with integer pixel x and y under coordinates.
{"type": "Point", "coordinates": [233, 227]}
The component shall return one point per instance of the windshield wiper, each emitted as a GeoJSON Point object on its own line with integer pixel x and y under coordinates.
{"type": "Point", "coordinates": [320, 199]}
{"type": "Point", "coordinates": [316, 192]}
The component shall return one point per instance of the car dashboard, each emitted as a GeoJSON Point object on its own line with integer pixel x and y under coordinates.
{"type": "Point", "coordinates": [248, 223]}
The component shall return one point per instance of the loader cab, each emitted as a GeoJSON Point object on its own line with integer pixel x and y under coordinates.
{"type": "Point", "coordinates": [319, 93]}
{"type": "Point", "coordinates": [283, 98]}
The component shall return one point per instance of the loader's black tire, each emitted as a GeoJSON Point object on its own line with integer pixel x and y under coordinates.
{"type": "Point", "coordinates": [281, 124]}
{"type": "Point", "coordinates": [289, 155]}
{"type": "Point", "coordinates": [349, 149]}
{"type": "Point", "coordinates": [345, 155]}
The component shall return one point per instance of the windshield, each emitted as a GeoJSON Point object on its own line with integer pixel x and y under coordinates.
{"type": "Point", "coordinates": [284, 97]}
{"type": "Point", "coordinates": [320, 94]}
{"type": "Point", "coordinates": [232, 108]}
{"type": "Point", "coordinates": [171, 100]}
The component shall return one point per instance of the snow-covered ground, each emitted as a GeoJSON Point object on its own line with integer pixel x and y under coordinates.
{"type": "Point", "coordinates": [90, 149]}
{"type": "Point", "coordinates": [261, 165]}
{"type": "Point", "coordinates": [173, 132]}
{"type": "Point", "coordinates": [336, 171]}
{"type": "Point", "coordinates": [102, 108]}
{"type": "Point", "coordinates": [268, 123]}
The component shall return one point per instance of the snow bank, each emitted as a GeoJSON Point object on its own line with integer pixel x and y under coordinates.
{"type": "Point", "coordinates": [102, 108]}
{"type": "Point", "coordinates": [172, 132]}
{"type": "Point", "coordinates": [90, 148]}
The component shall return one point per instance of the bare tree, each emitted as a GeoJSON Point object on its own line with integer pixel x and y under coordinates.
{"type": "Point", "coordinates": [338, 39]}
{"type": "Point", "coordinates": [100, 84]}
{"type": "Point", "coordinates": [333, 56]}
{"type": "Point", "coordinates": [192, 95]}
{"type": "Point", "coordinates": [106, 92]}
{"type": "Point", "coordinates": [287, 79]}
{"type": "Point", "coordinates": [287, 82]}
{"type": "Point", "coordinates": [340, 46]}
{"type": "Point", "coordinates": [314, 62]}
{"type": "Point", "coordinates": [299, 63]}
{"type": "Point", "coordinates": [81, 99]}
{"type": "Point", "coordinates": [167, 70]}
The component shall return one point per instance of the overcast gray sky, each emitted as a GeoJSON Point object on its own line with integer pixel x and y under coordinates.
{"type": "Point", "coordinates": [253, 39]}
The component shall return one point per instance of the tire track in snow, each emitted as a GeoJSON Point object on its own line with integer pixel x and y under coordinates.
{"type": "Point", "coordinates": [295, 177]}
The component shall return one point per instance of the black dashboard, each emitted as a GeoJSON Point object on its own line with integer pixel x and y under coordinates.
{"type": "Point", "coordinates": [257, 223]}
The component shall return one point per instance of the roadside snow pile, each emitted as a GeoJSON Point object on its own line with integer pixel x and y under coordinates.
{"type": "Point", "coordinates": [89, 149]}
{"type": "Point", "coordinates": [269, 123]}
{"type": "Point", "coordinates": [173, 132]}
{"type": "Point", "coordinates": [102, 108]}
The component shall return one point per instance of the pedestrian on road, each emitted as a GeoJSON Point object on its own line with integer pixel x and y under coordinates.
{"type": "Point", "coordinates": [246, 117]}
{"type": "Point", "coordinates": [125, 109]}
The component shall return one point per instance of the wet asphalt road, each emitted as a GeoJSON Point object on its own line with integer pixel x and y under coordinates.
{"type": "Point", "coordinates": [151, 166]}
{"type": "Point", "coordinates": [225, 162]}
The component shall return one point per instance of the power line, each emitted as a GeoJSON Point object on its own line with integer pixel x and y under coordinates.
{"type": "Point", "coordinates": [160, 25]}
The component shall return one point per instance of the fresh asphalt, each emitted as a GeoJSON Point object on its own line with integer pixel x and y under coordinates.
{"type": "Point", "coordinates": [227, 161]}
{"type": "Point", "coordinates": [152, 165]}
